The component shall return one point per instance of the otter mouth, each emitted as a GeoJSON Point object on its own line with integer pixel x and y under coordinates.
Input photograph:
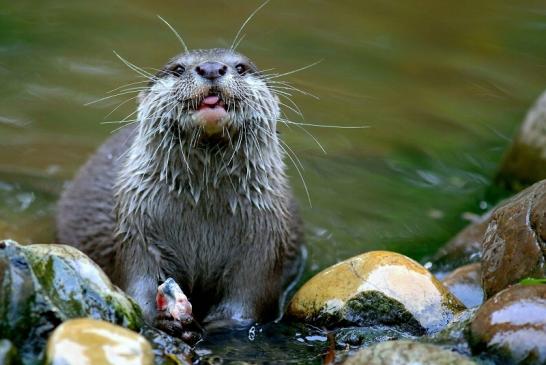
{"type": "Point", "coordinates": [211, 113]}
{"type": "Point", "coordinates": [212, 101]}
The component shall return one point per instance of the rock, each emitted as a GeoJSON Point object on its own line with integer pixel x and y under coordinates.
{"type": "Point", "coordinates": [453, 336]}
{"type": "Point", "coordinates": [8, 353]}
{"type": "Point", "coordinates": [167, 350]}
{"type": "Point", "coordinates": [367, 336]}
{"type": "Point", "coordinates": [514, 243]}
{"type": "Point", "coordinates": [43, 285]}
{"type": "Point", "coordinates": [512, 325]}
{"type": "Point", "coordinates": [88, 341]}
{"type": "Point", "coordinates": [463, 249]}
{"type": "Point", "coordinates": [512, 239]}
{"type": "Point", "coordinates": [465, 284]}
{"type": "Point", "coordinates": [407, 352]}
{"type": "Point", "coordinates": [525, 161]}
{"type": "Point", "coordinates": [375, 288]}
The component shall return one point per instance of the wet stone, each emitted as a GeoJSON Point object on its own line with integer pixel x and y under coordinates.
{"type": "Point", "coordinates": [514, 244]}
{"type": "Point", "coordinates": [375, 288]}
{"type": "Point", "coordinates": [511, 326]}
{"type": "Point", "coordinates": [453, 336]}
{"type": "Point", "coordinates": [465, 284]}
{"type": "Point", "coordinates": [511, 239]}
{"type": "Point", "coordinates": [42, 286]}
{"type": "Point", "coordinates": [366, 336]}
{"type": "Point", "coordinates": [407, 352]}
{"type": "Point", "coordinates": [87, 341]}
{"type": "Point", "coordinates": [167, 350]}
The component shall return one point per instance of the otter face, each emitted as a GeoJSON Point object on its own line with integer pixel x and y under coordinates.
{"type": "Point", "coordinates": [216, 90]}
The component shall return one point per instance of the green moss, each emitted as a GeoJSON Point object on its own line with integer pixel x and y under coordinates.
{"type": "Point", "coordinates": [533, 281]}
{"type": "Point", "coordinates": [373, 307]}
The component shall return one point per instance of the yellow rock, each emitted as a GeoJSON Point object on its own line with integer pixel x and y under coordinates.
{"type": "Point", "coordinates": [378, 287]}
{"type": "Point", "coordinates": [92, 342]}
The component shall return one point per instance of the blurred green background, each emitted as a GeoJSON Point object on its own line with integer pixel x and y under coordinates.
{"type": "Point", "coordinates": [442, 85]}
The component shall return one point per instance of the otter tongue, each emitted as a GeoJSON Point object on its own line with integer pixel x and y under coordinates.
{"type": "Point", "coordinates": [210, 101]}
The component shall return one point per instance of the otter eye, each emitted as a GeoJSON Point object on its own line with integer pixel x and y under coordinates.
{"type": "Point", "coordinates": [241, 69]}
{"type": "Point", "coordinates": [178, 70]}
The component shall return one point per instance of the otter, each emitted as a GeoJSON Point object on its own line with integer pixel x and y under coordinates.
{"type": "Point", "coordinates": [195, 190]}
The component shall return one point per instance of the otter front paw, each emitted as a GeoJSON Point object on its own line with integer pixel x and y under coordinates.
{"type": "Point", "coordinates": [174, 313]}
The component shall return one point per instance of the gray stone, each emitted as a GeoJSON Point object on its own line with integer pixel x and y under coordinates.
{"type": "Point", "coordinates": [407, 352]}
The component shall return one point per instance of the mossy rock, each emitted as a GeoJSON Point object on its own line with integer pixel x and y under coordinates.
{"type": "Point", "coordinates": [42, 286]}
{"type": "Point", "coordinates": [376, 288]}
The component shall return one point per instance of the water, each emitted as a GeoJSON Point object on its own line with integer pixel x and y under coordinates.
{"type": "Point", "coordinates": [442, 86]}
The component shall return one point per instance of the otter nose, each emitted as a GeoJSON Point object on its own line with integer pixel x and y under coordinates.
{"type": "Point", "coordinates": [211, 70]}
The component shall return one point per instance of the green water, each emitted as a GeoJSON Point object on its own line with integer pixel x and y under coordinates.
{"type": "Point", "coordinates": [442, 86]}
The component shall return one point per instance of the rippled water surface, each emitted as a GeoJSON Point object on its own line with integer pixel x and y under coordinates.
{"type": "Point", "coordinates": [441, 85]}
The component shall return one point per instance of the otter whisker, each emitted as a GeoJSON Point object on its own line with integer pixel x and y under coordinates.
{"type": "Point", "coordinates": [120, 105]}
{"type": "Point", "coordinates": [295, 109]}
{"type": "Point", "coordinates": [239, 41]}
{"type": "Point", "coordinates": [275, 76]}
{"type": "Point", "coordinates": [136, 88]}
{"type": "Point", "coordinates": [188, 168]}
{"type": "Point", "coordinates": [109, 97]}
{"type": "Point", "coordinates": [123, 126]}
{"type": "Point", "coordinates": [119, 121]}
{"type": "Point", "coordinates": [288, 148]}
{"type": "Point", "coordinates": [286, 86]}
{"type": "Point", "coordinates": [281, 146]}
{"type": "Point", "coordinates": [135, 68]}
{"type": "Point", "coordinates": [245, 23]}
{"type": "Point", "coordinates": [306, 132]}
{"type": "Point", "coordinates": [328, 126]}
{"type": "Point", "coordinates": [129, 84]}
{"type": "Point", "coordinates": [257, 144]}
{"type": "Point", "coordinates": [175, 33]}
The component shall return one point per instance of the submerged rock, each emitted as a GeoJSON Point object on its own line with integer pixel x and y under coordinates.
{"type": "Point", "coordinates": [465, 284]}
{"type": "Point", "coordinates": [367, 336]}
{"type": "Point", "coordinates": [167, 350]}
{"type": "Point", "coordinates": [88, 341]}
{"type": "Point", "coordinates": [514, 244]}
{"type": "Point", "coordinates": [376, 288]}
{"type": "Point", "coordinates": [407, 352]}
{"type": "Point", "coordinates": [453, 336]}
{"type": "Point", "coordinates": [525, 161]}
{"type": "Point", "coordinates": [464, 248]}
{"type": "Point", "coordinates": [42, 286]}
{"type": "Point", "coordinates": [511, 326]}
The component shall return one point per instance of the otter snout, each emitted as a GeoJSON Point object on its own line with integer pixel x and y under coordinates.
{"type": "Point", "coordinates": [211, 70]}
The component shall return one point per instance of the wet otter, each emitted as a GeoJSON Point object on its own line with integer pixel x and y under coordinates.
{"type": "Point", "coordinates": [195, 191]}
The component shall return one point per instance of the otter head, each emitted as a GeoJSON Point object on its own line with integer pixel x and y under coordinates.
{"type": "Point", "coordinates": [214, 92]}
